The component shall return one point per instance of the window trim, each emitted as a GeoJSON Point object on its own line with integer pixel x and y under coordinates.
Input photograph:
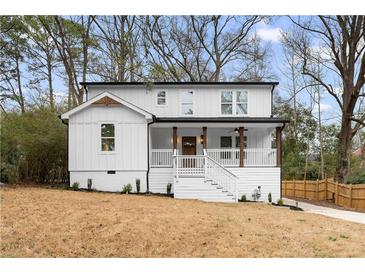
{"type": "Point", "coordinates": [220, 100]}
{"type": "Point", "coordinates": [100, 138]}
{"type": "Point", "coordinates": [166, 98]}
{"type": "Point", "coordinates": [234, 102]}
{"type": "Point", "coordinates": [181, 103]}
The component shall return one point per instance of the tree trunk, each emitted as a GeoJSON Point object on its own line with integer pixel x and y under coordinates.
{"type": "Point", "coordinates": [21, 98]}
{"type": "Point", "coordinates": [50, 83]}
{"type": "Point", "coordinates": [122, 49]}
{"type": "Point", "coordinates": [344, 149]}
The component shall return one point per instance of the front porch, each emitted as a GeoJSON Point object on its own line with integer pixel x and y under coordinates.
{"type": "Point", "coordinates": [253, 146]}
{"type": "Point", "coordinates": [217, 162]}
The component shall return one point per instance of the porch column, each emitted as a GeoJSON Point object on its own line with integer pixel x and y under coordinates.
{"type": "Point", "coordinates": [205, 143]}
{"type": "Point", "coordinates": [241, 147]}
{"type": "Point", "coordinates": [174, 138]}
{"type": "Point", "coordinates": [278, 146]}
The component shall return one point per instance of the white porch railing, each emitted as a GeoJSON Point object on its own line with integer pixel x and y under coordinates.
{"type": "Point", "coordinates": [230, 157]}
{"type": "Point", "coordinates": [260, 157]}
{"type": "Point", "coordinates": [221, 176]}
{"type": "Point", "coordinates": [189, 165]}
{"type": "Point", "coordinates": [161, 157]}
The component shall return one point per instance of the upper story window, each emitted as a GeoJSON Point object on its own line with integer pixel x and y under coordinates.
{"type": "Point", "coordinates": [161, 98]}
{"type": "Point", "coordinates": [226, 102]}
{"type": "Point", "coordinates": [107, 137]}
{"type": "Point", "coordinates": [187, 103]}
{"type": "Point", "coordinates": [241, 102]}
{"type": "Point", "coordinates": [234, 102]}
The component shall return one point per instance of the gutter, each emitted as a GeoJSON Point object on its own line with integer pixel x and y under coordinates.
{"type": "Point", "coordinates": [148, 151]}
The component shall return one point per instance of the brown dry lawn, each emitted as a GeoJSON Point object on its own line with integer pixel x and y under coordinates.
{"type": "Point", "coordinates": [39, 222]}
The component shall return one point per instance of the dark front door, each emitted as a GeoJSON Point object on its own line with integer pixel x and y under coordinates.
{"type": "Point", "coordinates": [188, 145]}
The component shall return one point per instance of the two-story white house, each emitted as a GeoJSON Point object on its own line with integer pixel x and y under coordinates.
{"type": "Point", "coordinates": [211, 141]}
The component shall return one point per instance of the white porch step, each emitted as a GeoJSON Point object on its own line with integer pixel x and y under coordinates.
{"type": "Point", "coordinates": [198, 188]}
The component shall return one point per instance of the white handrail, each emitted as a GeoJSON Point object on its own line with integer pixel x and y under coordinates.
{"type": "Point", "coordinates": [204, 166]}
{"type": "Point", "coordinates": [223, 177]}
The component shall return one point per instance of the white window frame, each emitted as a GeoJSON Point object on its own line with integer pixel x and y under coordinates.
{"type": "Point", "coordinates": [181, 103]}
{"type": "Point", "coordinates": [220, 105]}
{"type": "Point", "coordinates": [100, 138]}
{"type": "Point", "coordinates": [157, 96]}
{"type": "Point", "coordinates": [234, 102]}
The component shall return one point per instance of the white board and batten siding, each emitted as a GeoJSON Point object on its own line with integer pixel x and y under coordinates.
{"type": "Point", "coordinates": [259, 99]}
{"type": "Point", "coordinates": [87, 161]}
{"type": "Point", "coordinates": [268, 178]}
{"type": "Point", "coordinates": [159, 177]}
{"type": "Point", "coordinates": [248, 180]}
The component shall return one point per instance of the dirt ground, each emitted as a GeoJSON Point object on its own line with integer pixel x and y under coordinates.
{"type": "Point", "coordinates": [40, 222]}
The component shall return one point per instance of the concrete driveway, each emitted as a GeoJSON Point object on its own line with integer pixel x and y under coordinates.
{"type": "Point", "coordinates": [352, 216]}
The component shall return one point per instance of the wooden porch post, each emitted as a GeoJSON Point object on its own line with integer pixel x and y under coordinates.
{"type": "Point", "coordinates": [278, 146]}
{"type": "Point", "coordinates": [205, 144]}
{"type": "Point", "coordinates": [174, 138]}
{"type": "Point", "coordinates": [241, 148]}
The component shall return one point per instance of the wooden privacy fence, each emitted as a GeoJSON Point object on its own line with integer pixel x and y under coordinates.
{"type": "Point", "coordinates": [348, 196]}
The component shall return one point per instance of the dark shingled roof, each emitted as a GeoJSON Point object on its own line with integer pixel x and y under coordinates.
{"type": "Point", "coordinates": [221, 120]}
{"type": "Point", "coordinates": [253, 83]}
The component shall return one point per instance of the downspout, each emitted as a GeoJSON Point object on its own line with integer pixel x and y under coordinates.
{"type": "Point", "coordinates": [67, 145]}
{"type": "Point", "coordinates": [281, 160]}
{"type": "Point", "coordinates": [148, 152]}
{"type": "Point", "coordinates": [86, 93]}
{"type": "Point", "coordinates": [272, 98]}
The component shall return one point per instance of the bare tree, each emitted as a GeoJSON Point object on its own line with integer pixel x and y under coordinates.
{"type": "Point", "coordinates": [41, 53]}
{"type": "Point", "coordinates": [222, 41]}
{"type": "Point", "coordinates": [72, 40]}
{"type": "Point", "coordinates": [12, 56]}
{"type": "Point", "coordinates": [342, 39]}
{"type": "Point", "coordinates": [119, 39]}
{"type": "Point", "coordinates": [198, 48]}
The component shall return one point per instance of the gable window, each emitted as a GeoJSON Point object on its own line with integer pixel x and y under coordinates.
{"type": "Point", "coordinates": [241, 102]}
{"type": "Point", "coordinates": [107, 137]}
{"type": "Point", "coordinates": [234, 102]}
{"type": "Point", "coordinates": [226, 102]}
{"type": "Point", "coordinates": [161, 98]}
{"type": "Point", "coordinates": [187, 105]}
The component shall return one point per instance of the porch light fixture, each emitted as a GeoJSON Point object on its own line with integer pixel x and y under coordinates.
{"type": "Point", "coordinates": [236, 130]}
{"type": "Point", "coordinates": [201, 139]}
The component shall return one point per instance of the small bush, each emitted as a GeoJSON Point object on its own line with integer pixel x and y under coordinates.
{"type": "Point", "coordinates": [127, 189]}
{"type": "Point", "coordinates": [89, 184]}
{"type": "Point", "coordinates": [359, 179]}
{"type": "Point", "coordinates": [269, 197]}
{"type": "Point", "coordinates": [280, 202]}
{"type": "Point", "coordinates": [75, 186]}
{"type": "Point", "coordinates": [138, 185]}
{"type": "Point", "coordinates": [168, 188]}
{"type": "Point", "coordinates": [243, 198]}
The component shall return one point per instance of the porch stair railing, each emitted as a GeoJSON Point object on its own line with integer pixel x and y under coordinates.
{"type": "Point", "coordinates": [207, 168]}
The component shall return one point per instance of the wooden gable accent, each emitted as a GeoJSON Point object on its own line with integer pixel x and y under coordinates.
{"type": "Point", "coordinates": [106, 101]}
